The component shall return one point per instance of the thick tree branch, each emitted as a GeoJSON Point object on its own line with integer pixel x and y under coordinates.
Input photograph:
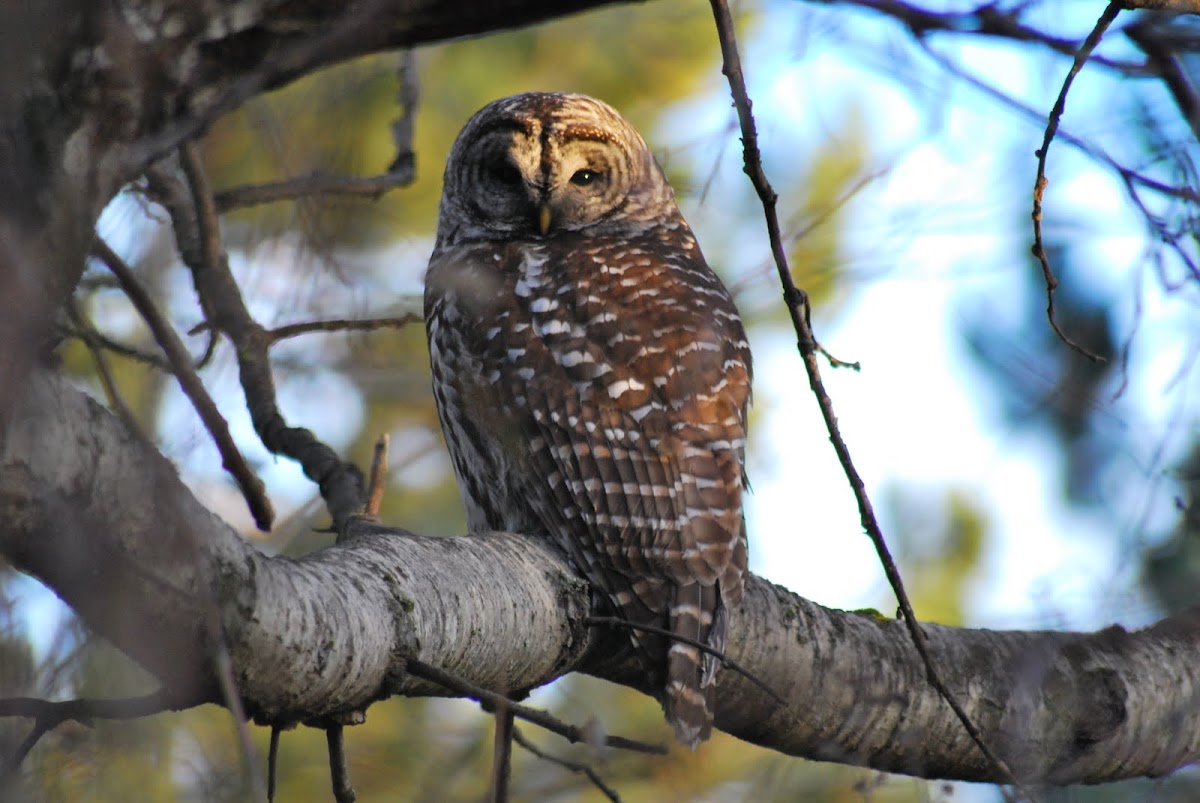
{"type": "Point", "coordinates": [331, 632]}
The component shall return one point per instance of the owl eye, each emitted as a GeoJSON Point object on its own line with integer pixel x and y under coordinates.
{"type": "Point", "coordinates": [584, 177]}
{"type": "Point", "coordinates": [505, 173]}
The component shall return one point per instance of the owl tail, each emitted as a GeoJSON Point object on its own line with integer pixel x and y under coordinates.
{"type": "Point", "coordinates": [697, 614]}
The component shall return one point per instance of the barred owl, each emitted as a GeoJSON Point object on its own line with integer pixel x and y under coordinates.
{"type": "Point", "coordinates": [592, 374]}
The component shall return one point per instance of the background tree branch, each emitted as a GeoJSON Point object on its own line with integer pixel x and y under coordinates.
{"type": "Point", "coordinates": [331, 632]}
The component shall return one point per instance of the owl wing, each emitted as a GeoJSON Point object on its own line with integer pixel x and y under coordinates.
{"type": "Point", "coordinates": [636, 394]}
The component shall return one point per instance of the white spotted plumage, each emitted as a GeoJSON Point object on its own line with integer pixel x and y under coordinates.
{"type": "Point", "coordinates": [592, 375]}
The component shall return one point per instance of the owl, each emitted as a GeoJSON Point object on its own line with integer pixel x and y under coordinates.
{"type": "Point", "coordinates": [592, 375]}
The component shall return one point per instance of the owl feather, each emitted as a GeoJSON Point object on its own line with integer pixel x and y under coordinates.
{"type": "Point", "coordinates": [592, 375]}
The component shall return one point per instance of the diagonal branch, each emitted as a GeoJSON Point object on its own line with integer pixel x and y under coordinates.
{"type": "Point", "coordinates": [797, 303]}
{"type": "Point", "coordinates": [1040, 182]}
{"type": "Point", "coordinates": [181, 365]}
{"type": "Point", "coordinates": [498, 702]}
{"type": "Point", "coordinates": [318, 183]}
{"type": "Point", "coordinates": [573, 766]}
{"type": "Point", "coordinates": [193, 216]}
{"type": "Point", "coordinates": [47, 716]}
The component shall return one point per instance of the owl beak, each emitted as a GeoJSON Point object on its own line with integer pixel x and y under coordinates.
{"type": "Point", "coordinates": [544, 219]}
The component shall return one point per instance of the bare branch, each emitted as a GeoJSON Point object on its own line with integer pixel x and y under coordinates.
{"type": "Point", "coordinates": [1177, 6]}
{"type": "Point", "coordinates": [340, 325]}
{"type": "Point", "coordinates": [797, 303]}
{"type": "Point", "coordinates": [377, 484]}
{"type": "Point", "coordinates": [194, 218]}
{"type": "Point", "coordinates": [502, 741]}
{"type": "Point", "coordinates": [106, 343]}
{"type": "Point", "coordinates": [1039, 184]}
{"type": "Point", "coordinates": [988, 20]}
{"type": "Point", "coordinates": [571, 733]}
{"type": "Point", "coordinates": [317, 183]}
{"type": "Point", "coordinates": [273, 762]}
{"type": "Point", "coordinates": [251, 486]}
{"type": "Point", "coordinates": [339, 775]}
{"type": "Point", "coordinates": [573, 766]}
{"type": "Point", "coordinates": [614, 621]}
{"type": "Point", "coordinates": [49, 715]}
{"type": "Point", "coordinates": [91, 339]}
{"type": "Point", "coordinates": [404, 128]}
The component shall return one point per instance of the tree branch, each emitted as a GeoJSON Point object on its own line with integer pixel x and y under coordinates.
{"type": "Point", "coordinates": [333, 631]}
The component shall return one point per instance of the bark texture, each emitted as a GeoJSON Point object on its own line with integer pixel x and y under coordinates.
{"type": "Point", "coordinates": [103, 519]}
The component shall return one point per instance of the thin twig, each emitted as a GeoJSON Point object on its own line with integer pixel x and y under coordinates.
{"type": "Point", "coordinates": [987, 19]}
{"type": "Point", "coordinates": [316, 183]}
{"type": "Point", "coordinates": [49, 715]}
{"type": "Point", "coordinates": [272, 762]}
{"type": "Point", "coordinates": [1040, 182]}
{"type": "Point", "coordinates": [542, 719]}
{"type": "Point", "coordinates": [1130, 179]}
{"type": "Point", "coordinates": [566, 763]}
{"type": "Point", "coordinates": [1163, 60]}
{"type": "Point", "coordinates": [117, 347]}
{"type": "Point", "coordinates": [1128, 176]}
{"type": "Point", "coordinates": [223, 666]}
{"type": "Point", "coordinates": [91, 339]}
{"type": "Point", "coordinates": [377, 483]}
{"type": "Point", "coordinates": [501, 752]}
{"type": "Point", "coordinates": [404, 128]}
{"type": "Point", "coordinates": [190, 204]}
{"type": "Point", "coordinates": [181, 363]}
{"type": "Point", "coordinates": [341, 325]}
{"type": "Point", "coordinates": [339, 775]}
{"type": "Point", "coordinates": [726, 661]}
{"type": "Point", "coordinates": [797, 303]}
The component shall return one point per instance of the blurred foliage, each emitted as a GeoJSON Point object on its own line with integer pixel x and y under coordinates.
{"type": "Point", "coordinates": [1038, 381]}
{"type": "Point", "coordinates": [636, 58]}
{"type": "Point", "coordinates": [1172, 570]}
{"type": "Point", "coordinates": [938, 538]}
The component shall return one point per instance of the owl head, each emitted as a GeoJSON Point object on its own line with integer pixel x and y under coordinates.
{"type": "Point", "coordinates": [539, 164]}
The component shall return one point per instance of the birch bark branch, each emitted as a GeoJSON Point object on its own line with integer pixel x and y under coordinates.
{"type": "Point", "coordinates": [102, 518]}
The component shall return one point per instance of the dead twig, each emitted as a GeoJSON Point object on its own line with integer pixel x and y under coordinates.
{"type": "Point", "coordinates": [272, 762]}
{"type": "Point", "coordinates": [377, 483]}
{"type": "Point", "coordinates": [340, 325]}
{"type": "Point", "coordinates": [501, 752]}
{"type": "Point", "coordinates": [227, 680]}
{"type": "Point", "coordinates": [339, 775]}
{"type": "Point", "coordinates": [1040, 182]}
{"type": "Point", "coordinates": [573, 766]}
{"type": "Point", "coordinates": [542, 719]}
{"type": "Point", "coordinates": [106, 343]}
{"type": "Point", "coordinates": [797, 303]}
{"type": "Point", "coordinates": [316, 183]}
{"type": "Point", "coordinates": [193, 216]}
{"type": "Point", "coordinates": [181, 365]}
{"type": "Point", "coordinates": [49, 715]}
{"type": "Point", "coordinates": [91, 338]}
{"type": "Point", "coordinates": [726, 661]}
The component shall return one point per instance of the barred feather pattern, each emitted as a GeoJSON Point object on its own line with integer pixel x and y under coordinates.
{"type": "Point", "coordinates": [592, 380]}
